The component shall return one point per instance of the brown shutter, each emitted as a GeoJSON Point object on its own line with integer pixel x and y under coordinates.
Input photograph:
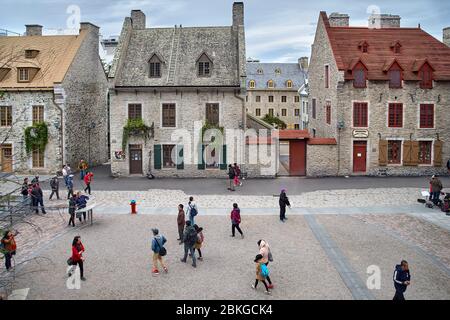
{"type": "Point", "coordinates": [437, 162]}
{"type": "Point", "coordinates": [407, 145]}
{"type": "Point", "coordinates": [382, 152]}
{"type": "Point", "coordinates": [414, 153]}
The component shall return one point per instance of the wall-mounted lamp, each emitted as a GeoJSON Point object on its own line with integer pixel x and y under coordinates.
{"type": "Point", "coordinates": [379, 136]}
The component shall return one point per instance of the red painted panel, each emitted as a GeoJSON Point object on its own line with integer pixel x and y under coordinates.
{"type": "Point", "coordinates": [297, 157]}
{"type": "Point", "coordinates": [359, 156]}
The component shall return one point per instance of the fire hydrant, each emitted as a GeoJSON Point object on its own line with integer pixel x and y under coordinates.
{"type": "Point", "coordinates": [133, 206]}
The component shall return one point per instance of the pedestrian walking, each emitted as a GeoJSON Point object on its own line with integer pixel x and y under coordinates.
{"type": "Point", "coordinates": [77, 255]}
{"type": "Point", "coordinates": [231, 175]}
{"type": "Point", "coordinates": [283, 202]}
{"type": "Point", "coordinates": [402, 279]}
{"type": "Point", "coordinates": [82, 166]}
{"type": "Point", "coordinates": [69, 186]}
{"type": "Point", "coordinates": [159, 251]}
{"type": "Point", "coordinates": [87, 181]}
{"type": "Point", "coordinates": [448, 166]}
{"type": "Point", "coordinates": [35, 180]}
{"type": "Point", "coordinates": [9, 248]}
{"type": "Point", "coordinates": [180, 221]}
{"type": "Point", "coordinates": [81, 201]}
{"type": "Point", "coordinates": [198, 244]}
{"type": "Point", "coordinates": [65, 174]}
{"type": "Point", "coordinates": [264, 250]}
{"type": "Point", "coordinates": [262, 273]}
{"type": "Point", "coordinates": [236, 220]}
{"type": "Point", "coordinates": [436, 187]}
{"type": "Point", "coordinates": [72, 209]}
{"type": "Point", "coordinates": [37, 198]}
{"type": "Point", "coordinates": [189, 240]}
{"type": "Point", "coordinates": [54, 185]}
{"type": "Point", "coordinates": [237, 174]}
{"type": "Point", "coordinates": [24, 189]}
{"type": "Point", "coordinates": [192, 210]}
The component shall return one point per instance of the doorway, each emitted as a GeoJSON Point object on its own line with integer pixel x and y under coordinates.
{"type": "Point", "coordinates": [359, 156]}
{"type": "Point", "coordinates": [6, 158]}
{"type": "Point", "coordinates": [135, 159]}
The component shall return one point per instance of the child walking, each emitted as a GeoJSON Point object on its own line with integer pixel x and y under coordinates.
{"type": "Point", "coordinates": [261, 273]}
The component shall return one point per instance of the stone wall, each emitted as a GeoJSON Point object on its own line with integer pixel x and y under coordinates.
{"type": "Point", "coordinates": [321, 160]}
{"type": "Point", "coordinates": [86, 87]}
{"type": "Point", "coordinates": [22, 107]}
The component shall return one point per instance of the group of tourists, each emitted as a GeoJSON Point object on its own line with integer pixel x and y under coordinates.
{"type": "Point", "coordinates": [85, 175]}
{"type": "Point", "coordinates": [234, 176]}
{"type": "Point", "coordinates": [32, 194]}
{"type": "Point", "coordinates": [78, 201]}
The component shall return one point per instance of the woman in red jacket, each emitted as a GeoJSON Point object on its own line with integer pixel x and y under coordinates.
{"type": "Point", "coordinates": [87, 181]}
{"type": "Point", "coordinates": [236, 220]}
{"type": "Point", "coordinates": [77, 255]}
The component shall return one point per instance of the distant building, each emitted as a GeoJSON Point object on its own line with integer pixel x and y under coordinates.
{"type": "Point", "coordinates": [110, 44]}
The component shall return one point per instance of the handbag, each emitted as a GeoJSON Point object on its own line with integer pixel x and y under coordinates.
{"type": "Point", "coordinates": [162, 250]}
{"type": "Point", "coordinates": [70, 261]}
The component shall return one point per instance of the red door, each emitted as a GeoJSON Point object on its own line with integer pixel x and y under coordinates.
{"type": "Point", "coordinates": [297, 157]}
{"type": "Point", "coordinates": [359, 156]}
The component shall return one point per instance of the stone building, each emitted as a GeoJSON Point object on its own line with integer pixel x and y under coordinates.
{"type": "Point", "coordinates": [383, 92]}
{"type": "Point", "coordinates": [171, 81]}
{"type": "Point", "coordinates": [273, 89]}
{"type": "Point", "coordinates": [55, 82]}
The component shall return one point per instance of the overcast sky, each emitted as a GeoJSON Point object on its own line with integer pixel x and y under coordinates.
{"type": "Point", "coordinates": [276, 31]}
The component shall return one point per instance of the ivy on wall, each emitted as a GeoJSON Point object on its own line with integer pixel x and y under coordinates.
{"type": "Point", "coordinates": [36, 136]}
{"type": "Point", "coordinates": [135, 127]}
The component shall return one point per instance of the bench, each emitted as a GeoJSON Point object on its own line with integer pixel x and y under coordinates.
{"type": "Point", "coordinates": [90, 211]}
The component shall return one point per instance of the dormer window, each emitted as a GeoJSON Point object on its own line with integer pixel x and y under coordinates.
{"type": "Point", "coordinates": [155, 66]}
{"type": "Point", "coordinates": [395, 76]}
{"type": "Point", "coordinates": [426, 76]}
{"type": "Point", "coordinates": [259, 71]}
{"type": "Point", "coordinates": [31, 53]}
{"type": "Point", "coordinates": [364, 47]}
{"type": "Point", "coordinates": [396, 47]}
{"type": "Point", "coordinates": [359, 76]}
{"type": "Point", "coordinates": [289, 84]}
{"type": "Point", "coordinates": [23, 75]}
{"type": "Point", "coordinates": [252, 84]}
{"type": "Point", "coordinates": [204, 65]}
{"type": "Point", "coordinates": [270, 84]}
{"type": "Point", "coordinates": [277, 71]}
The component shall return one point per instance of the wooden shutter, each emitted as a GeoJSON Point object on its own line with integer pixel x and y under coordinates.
{"type": "Point", "coordinates": [180, 152]}
{"type": "Point", "coordinates": [382, 152]}
{"type": "Point", "coordinates": [407, 145]}
{"type": "Point", "coordinates": [201, 161]}
{"type": "Point", "coordinates": [157, 156]}
{"type": "Point", "coordinates": [437, 161]}
{"type": "Point", "coordinates": [223, 164]}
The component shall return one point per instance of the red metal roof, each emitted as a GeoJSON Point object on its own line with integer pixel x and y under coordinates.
{"type": "Point", "coordinates": [322, 141]}
{"type": "Point", "coordinates": [416, 45]}
{"type": "Point", "coordinates": [291, 134]}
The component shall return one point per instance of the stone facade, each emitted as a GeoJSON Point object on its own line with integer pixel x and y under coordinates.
{"type": "Point", "coordinates": [321, 160]}
{"type": "Point", "coordinates": [342, 95]}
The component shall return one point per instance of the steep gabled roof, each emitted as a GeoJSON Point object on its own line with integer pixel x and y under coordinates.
{"type": "Point", "coordinates": [56, 54]}
{"type": "Point", "coordinates": [416, 45]}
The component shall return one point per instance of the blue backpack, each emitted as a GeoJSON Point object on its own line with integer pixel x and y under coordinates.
{"type": "Point", "coordinates": [193, 211]}
{"type": "Point", "coordinates": [264, 270]}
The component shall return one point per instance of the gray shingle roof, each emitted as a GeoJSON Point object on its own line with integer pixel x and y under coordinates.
{"type": "Point", "coordinates": [219, 43]}
{"type": "Point", "coordinates": [289, 71]}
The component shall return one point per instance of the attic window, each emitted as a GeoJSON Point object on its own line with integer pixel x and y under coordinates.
{"type": "Point", "coordinates": [396, 46]}
{"type": "Point", "coordinates": [259, 71]}
{"type": "Point", "coordinates": [277, 71]}
{"type": "Point", "coordinates": [289, 84]}
{"type": "Point", "coordinates": [23, 75]}
{"type": "Point", "coordinates": [204, 65]}
{"type": "Point", "coordinates": [395, 76]}
{"type": "Point", "coordinates": [426, 76]}
{"type": "Point", "coordinates": [270, 84]}
{"type": "Point", "coordinates": [364, 47]}
{"type": "Point", "coordinates": [252, 84]}
{"type": "Point", "coordinates": [359, 76]}
{"type": "Point", "coordinates": [155, 67]}
{"type": "Point", "coordinates": [31, 53]}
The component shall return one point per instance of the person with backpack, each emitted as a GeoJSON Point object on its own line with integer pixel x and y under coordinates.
{"type": "Point", "coordinates": [231, 175]}
{"type": "Point", "coordinates": [402, 279]}
{"type": "Point", "coordinates": [54, 185]}
{"type": "Point", "coordinates": [72, 209]}
{"type": "Point", "coordinates": [69, 186]}
{"type": "Point", "coordinates": [191, 210]}
{"type": "Point", "coordinates": [37, 198]}
{"type": "Point", "coordinates": [81, 204]}
{"type": "Point", "coordinates": [159, 251]}
{"type": "Point", "coordinates": [198, 244]}
{"type": "Point", "coordinates": [180, 221]}
{"type": "Point", "coordinates": [189, 238]}
{"type": "Point", "coordinates": [9, 247]}
{"type": "Point", "coordinates": [87, 181]}
{"type": "Point", "coordinates": [237, 174]}
{"type": "Point", "coordinates": [77, 255]}
{"type": "Point", "coordinates": [264, 251]}
{"type": "Point", "coordinates": [262, 273]}
{"type": "Point", "coordinates": [236, 220]}
{"type": "Point", "coordinates": [283, 202]}
{"type": "Point", "coordinates": [24, 189]}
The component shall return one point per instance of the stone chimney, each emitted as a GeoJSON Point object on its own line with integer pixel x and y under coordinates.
{"type": "Point", "coordinates": [378, 21]}
{"type": "Point", "coordinates": [138, 19]}
{"type": "Point", "coordinates": [339, 19]}
{"type": "Point", "coordinates": [33, 30]}
{"type": "Point", "coordinates": [93, 31]}
{"type": "Point", "coordinates": [238, 14]}
{"type": "Point", "coordinates": [303, 63]}
{"type": "Point", "coordinates": [446, 36]}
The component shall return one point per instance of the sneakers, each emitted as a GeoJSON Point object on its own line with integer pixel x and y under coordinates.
{"type": "Point", "coordinates": [200, 258]}
{"type": "Point", "coordinates": [155, 272]}
{"type": "Point", "coordinates": [183, 260]}
{"type": "Point", "coordinates": [253, 287]}
{"type": "Point", "coordinates": [194, 265]}
{"type": "Point", "coordinates": [268, 292]}
{"type": "Point", "coordinates": [83, 279]}
{"type": "Point", "coordinates": [166, 270]}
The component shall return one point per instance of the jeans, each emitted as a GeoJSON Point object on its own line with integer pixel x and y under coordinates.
{"type": "Point", "coordinates": [82, 174]}
{"type": "Point", "coordinates": [282, 212]}
{"type": "Point", "coordinates": [191, 219]}
{"type": "Point", "coordinates": [8, 258]}
{"type": "Point", "coordinates": [66, 180]}
{"type": "Point", "coordinates": [69, 193]}
{"type": "Point", "coordinates": [235, 226]}
{"type": "Point", "coordinates": [192, 251]}
{"type": "Point", "coordinates": [39, 202]}
{"type": "Point", "coordinates": [434, 196]}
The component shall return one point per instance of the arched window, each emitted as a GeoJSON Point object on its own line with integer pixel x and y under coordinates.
{"type": "Point", "coordinates": [270, 84]}
{"type": "Point", "coordinates": [252, 84]}
{"type": "Point", "coordinates": [289, 84]}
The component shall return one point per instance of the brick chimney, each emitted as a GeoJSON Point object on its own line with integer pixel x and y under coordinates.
{"type": "Point", "coordinates": [446, 36]}
{"type": "Point", "coordinates": [377, 21]}
{"type": "Point", "coordinates": [138, 19]}
{"type": "Point", "coordinates": [33, 30]}
{"type": "Point", "coordinates": [303, 63]}
{"type": "Point", "coordinates": [238, 14]}
{"type": "Point", "coordinates": [339, 19]}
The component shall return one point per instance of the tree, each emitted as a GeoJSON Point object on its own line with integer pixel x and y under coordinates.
{"type": "Point", "coordinates": [275, 121]}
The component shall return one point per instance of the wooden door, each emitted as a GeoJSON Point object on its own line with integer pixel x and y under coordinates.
{"type": "Point", "coordinates": [135, 159]}
{"type": "Point", "coordinates": [6, 158]}
{"type": "Point", "coordinates": [359, 156]}
{"type": "Point", "coordinates": [297, 157]}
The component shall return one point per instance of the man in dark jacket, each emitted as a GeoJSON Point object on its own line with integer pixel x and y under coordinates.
{"type": "Point", "coordinates": [38, 198]}
{"type": "Point", "coordinates": [72, 209]}
{"type": "Point", "coordinates": [81, 204]}
{"type": "Point", "coordinates": [189, 239]}
{"type": "Point", "coordinates": [231, 175]}
{"type": "Point", "coordinates": [436, 187]}
{"type": "Point", "coordinates": [54, 184]}
{"type": "Point", "coordinates": [402, 280]}
{"type": "Point", "coordinates": [283, 202]}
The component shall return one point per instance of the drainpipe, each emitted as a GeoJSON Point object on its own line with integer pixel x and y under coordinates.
{"type": "Point", "coordinates": [61, 129]}
{"type": "Point", "coordinates": [239, 96]}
